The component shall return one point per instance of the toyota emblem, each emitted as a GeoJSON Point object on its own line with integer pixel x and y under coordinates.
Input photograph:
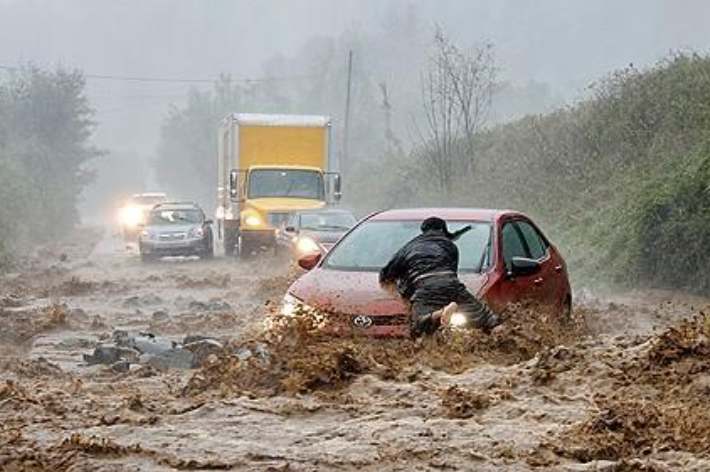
{"type": "Point", "coordinates": [362, 321]}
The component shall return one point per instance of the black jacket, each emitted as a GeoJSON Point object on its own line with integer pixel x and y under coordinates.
{"type": "Point", "coordinates": [430, 252]}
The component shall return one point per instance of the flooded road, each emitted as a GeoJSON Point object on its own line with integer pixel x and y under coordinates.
{"type": "Point", "coordinates": [626, 388]}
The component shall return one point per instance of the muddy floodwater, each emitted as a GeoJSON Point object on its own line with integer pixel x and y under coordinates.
{"type": "Point", "coordinates": [625, 387]}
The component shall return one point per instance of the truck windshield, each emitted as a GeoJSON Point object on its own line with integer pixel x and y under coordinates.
{"type": "Point", "coordinates": [274, 183]}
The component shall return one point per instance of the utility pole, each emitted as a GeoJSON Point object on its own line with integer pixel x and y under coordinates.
{"type": "Point", "coordinates": [346, 122]}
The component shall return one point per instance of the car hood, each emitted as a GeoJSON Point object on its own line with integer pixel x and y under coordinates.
{"type": "Point", "coordinates": [285, 204]}
{"type": "Point", "coordinates": [357, 293]}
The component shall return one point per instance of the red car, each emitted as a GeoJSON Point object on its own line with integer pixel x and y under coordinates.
{"type": "Point", "coordinates": [504, 259]}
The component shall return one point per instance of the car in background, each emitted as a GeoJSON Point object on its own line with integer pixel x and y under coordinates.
{"type": "Point", "coordinates": [176, 229]}
{"type": "Point", "coordinates": [313, 231]}
{"type": "Point", "coordinates": [133, 213]}
{"type": "Point", "coordinates": [504, 259]}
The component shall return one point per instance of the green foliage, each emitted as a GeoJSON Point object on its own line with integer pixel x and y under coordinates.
{"type": "Point", "coordinates": [45, 124]}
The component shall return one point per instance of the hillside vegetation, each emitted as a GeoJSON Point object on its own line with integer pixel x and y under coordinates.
{"type": "Point", "coordinates": [621, 180]}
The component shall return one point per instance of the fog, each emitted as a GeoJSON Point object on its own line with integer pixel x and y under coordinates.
{"type": "Point", "coordinates": [562, 45]}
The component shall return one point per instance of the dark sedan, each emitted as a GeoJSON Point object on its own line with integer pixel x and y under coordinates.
{"type": "Point", "coordinates": [313, 231]}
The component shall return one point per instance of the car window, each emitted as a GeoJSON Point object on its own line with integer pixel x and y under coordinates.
{"type": "Point", "coordinates": [371, 245]}
{"type": "Point", "coordinates": [537, 246]}
{"type": "Point", "coordinates": [512, 244]}
{"type": "Point", "coordinates": [336, 221]}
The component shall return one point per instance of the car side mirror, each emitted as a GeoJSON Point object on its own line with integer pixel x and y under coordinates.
{"type": "Point", "coordinates": [309, 261]}
{"type": "Point", "coordinates": [522, 266]}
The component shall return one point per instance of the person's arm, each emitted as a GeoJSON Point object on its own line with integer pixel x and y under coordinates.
{"type": "Point", "coordinates": [393, 270]}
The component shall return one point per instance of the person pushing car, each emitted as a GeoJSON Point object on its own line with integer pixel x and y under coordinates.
{"type": "Point", "coordinates": [425, 273]}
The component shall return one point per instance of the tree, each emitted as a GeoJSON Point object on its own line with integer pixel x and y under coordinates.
{"type": "Point", "coordinates": [45, 126]}
{"type": "Point", "coordinates": [457, 88]}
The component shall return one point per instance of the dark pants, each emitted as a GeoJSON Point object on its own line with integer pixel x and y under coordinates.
{"type": "Point", "coordinates": [434, 293]}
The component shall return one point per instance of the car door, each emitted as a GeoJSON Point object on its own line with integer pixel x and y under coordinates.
{"type": "Point", "coordinates": [546, 280]}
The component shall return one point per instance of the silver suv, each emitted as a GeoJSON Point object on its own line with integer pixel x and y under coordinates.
{"type": "Point", "coordinates": [176, 229]}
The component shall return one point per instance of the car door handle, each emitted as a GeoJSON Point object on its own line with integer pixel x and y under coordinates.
{"type": "Point", "coordinates": [537, 281]}
{"type": "Point", "coordinates": [558, 268]}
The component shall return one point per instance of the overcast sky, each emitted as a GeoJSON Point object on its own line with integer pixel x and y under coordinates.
{"type": "Point", "coordinates": [565, 43]}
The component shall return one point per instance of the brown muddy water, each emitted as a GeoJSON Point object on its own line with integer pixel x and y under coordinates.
{"type": "Point", "coordinates": [623, 388]}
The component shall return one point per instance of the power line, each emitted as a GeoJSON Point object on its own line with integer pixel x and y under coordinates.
{"type": "Point", "coordinates": [162, 80]}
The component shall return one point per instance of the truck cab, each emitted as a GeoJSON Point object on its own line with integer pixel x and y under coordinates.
{"type": "Point", "coordinates": [271, 166]}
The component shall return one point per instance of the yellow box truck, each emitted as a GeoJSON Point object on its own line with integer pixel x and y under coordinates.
{"type": "Point", "coordinates": [270, 166]}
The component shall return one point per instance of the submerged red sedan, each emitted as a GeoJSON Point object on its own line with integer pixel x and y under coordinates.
{"type": "Point", "coordinates": [504, 259]}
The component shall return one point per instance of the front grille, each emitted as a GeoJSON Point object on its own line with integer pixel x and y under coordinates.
{"type": "Point", "coordinates": [277, 219]}
{"type": "Point", "coordinates": [172, 236]}
{"type": "Point", "coordinates": [386, 320]}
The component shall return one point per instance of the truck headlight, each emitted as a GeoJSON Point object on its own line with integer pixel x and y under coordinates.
{"type": "Point", "coordinates": [253, 220]}
{"type": "Point", "coordinates": [307, 245]}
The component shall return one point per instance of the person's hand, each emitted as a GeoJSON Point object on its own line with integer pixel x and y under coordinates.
{"type": "Point", "coordinates": [445, 317]}
{"type": "Point", "coordinates": [446, 312]}
{"type": "Point", "coordinates": [389, 287]}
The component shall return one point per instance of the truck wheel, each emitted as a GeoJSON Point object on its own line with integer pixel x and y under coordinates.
{"type": "Point", "coordinates": [230, 242]}
{"type": "Point", "coordinates": [244, 248]}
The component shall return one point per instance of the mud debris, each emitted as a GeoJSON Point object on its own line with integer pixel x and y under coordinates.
{"type": "Point", "coordinates": [463, 403]}
{"type": "Point", "coordinates": [657, 401]}
{"type": "Point", "coordinates": [602, 391]}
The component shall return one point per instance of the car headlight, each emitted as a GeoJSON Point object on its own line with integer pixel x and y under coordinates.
{"type": "Point", "coordinates": [458, 320]}
{"type": "Point", "coordinates": [307, 245]}
{"type": "Point", "coordinates": [197, 232]}
{"type": "Point", "coordinates": [291, 305]}
{"type": "Point", "coordinates": [253, 220]}
{"type": "Point", "coordinates": [131, 216]}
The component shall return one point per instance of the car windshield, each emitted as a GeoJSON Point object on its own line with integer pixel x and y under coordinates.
{"type": "Point", "coordinates": [371, 245]}
{"type": "Point", "coordinates": [327, 221]}
{"type": "Point", "coordinates": [274, 183]}
{"type": "Point", "coordinates": [175, 217]}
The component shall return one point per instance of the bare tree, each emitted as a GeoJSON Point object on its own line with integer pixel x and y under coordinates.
{"type": "Point", "coordinates": [457, 88]}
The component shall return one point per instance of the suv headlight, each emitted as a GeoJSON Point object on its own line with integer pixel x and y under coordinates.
{"type": "Point", "coordinates": [196, 232]}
